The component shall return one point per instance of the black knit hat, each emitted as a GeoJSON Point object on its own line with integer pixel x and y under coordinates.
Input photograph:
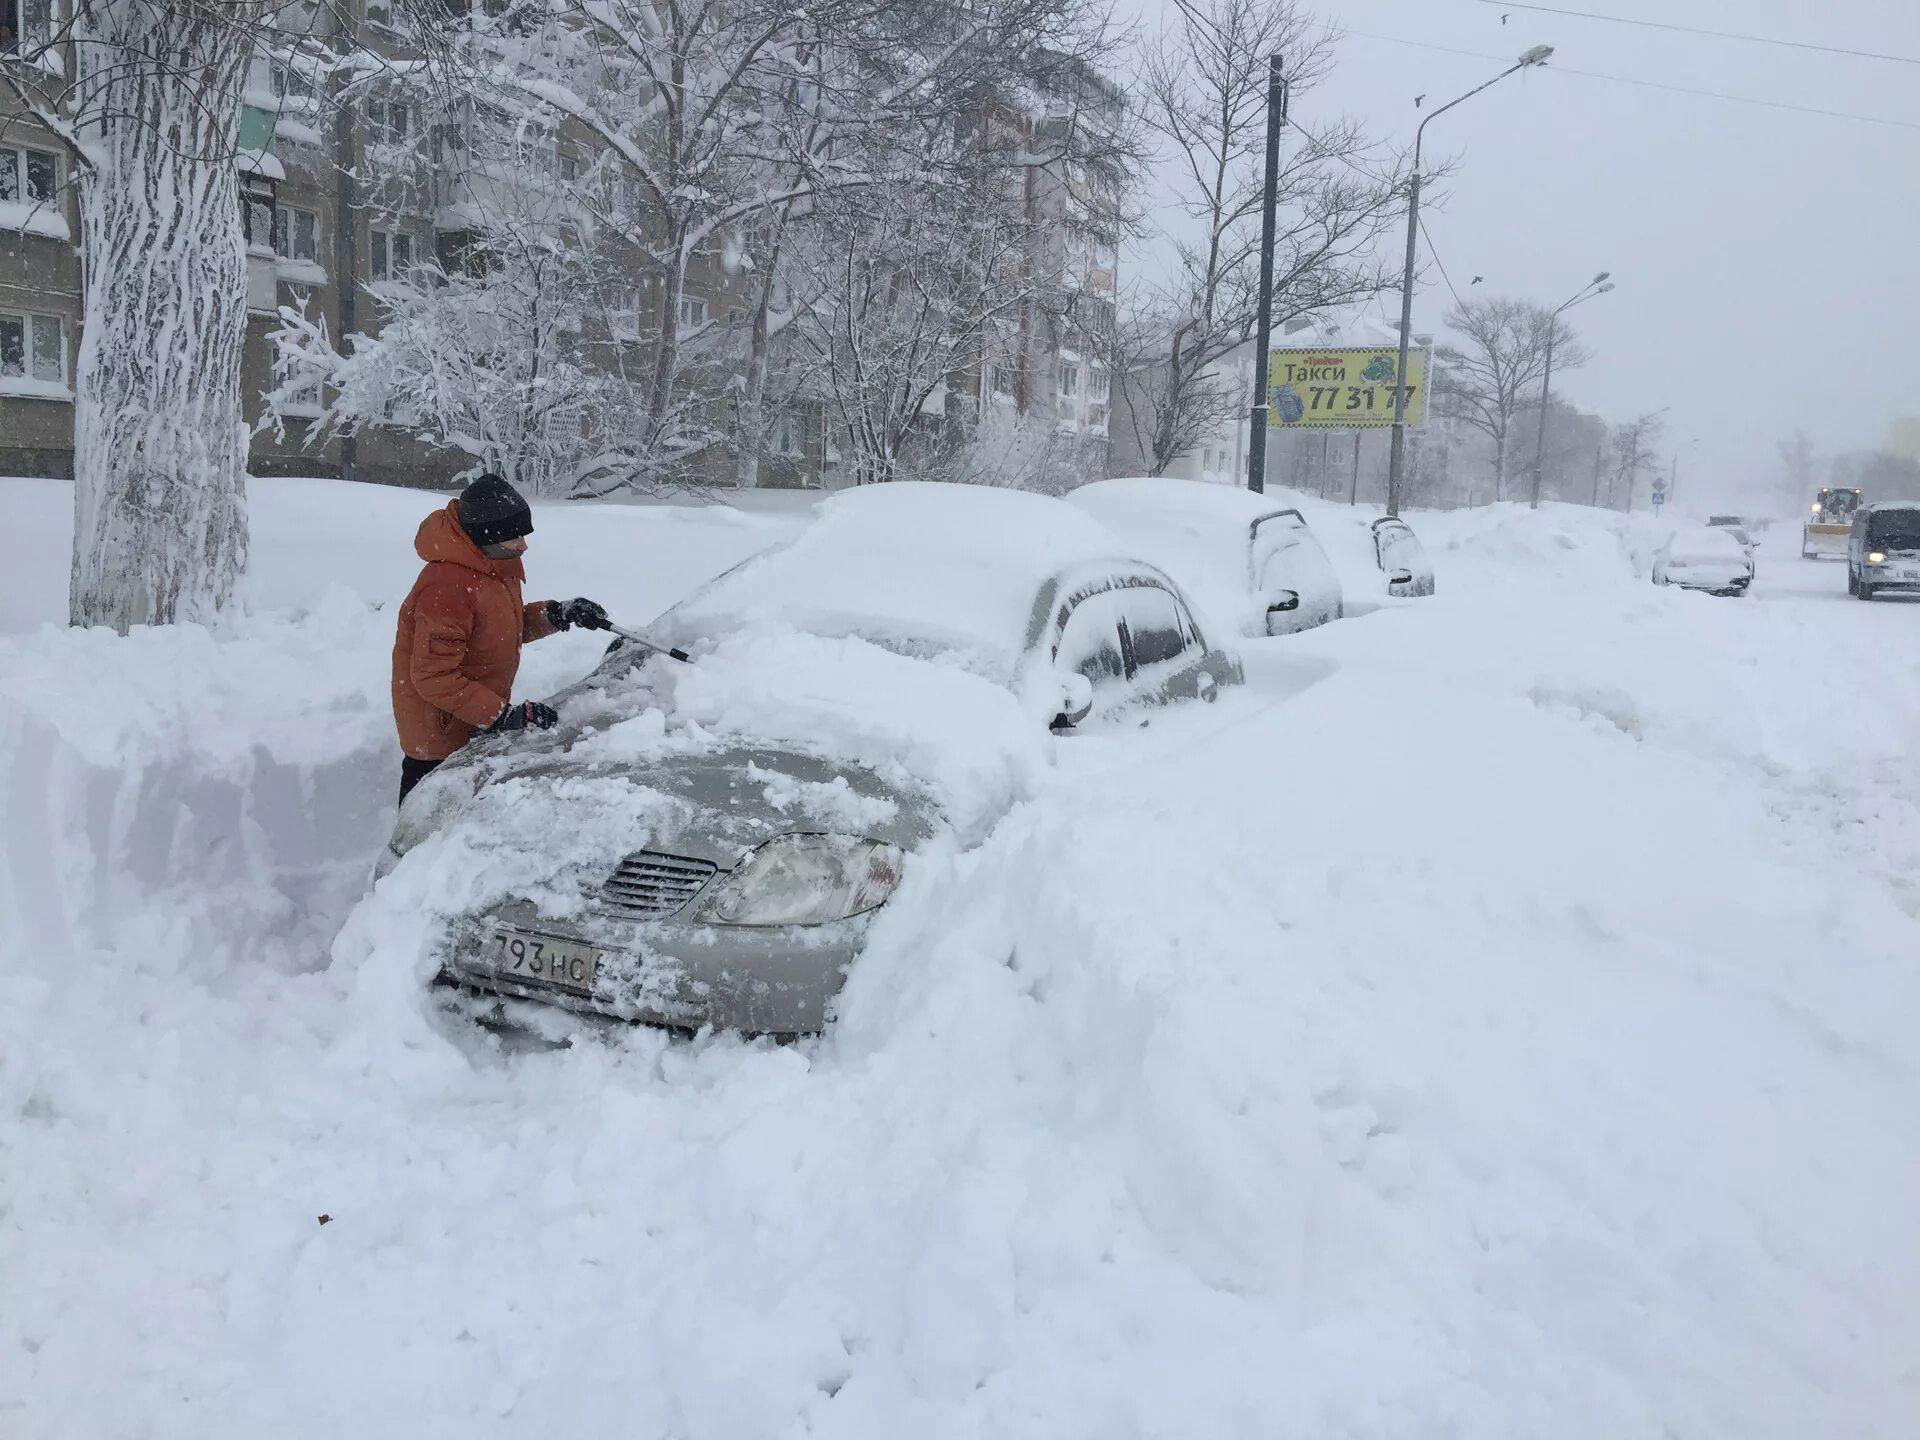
{"type": "Point", "coordinates": [491, 510]}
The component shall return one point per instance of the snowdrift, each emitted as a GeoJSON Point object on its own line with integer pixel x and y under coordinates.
{"type": "Point", "coordinates": [1506, 1036]}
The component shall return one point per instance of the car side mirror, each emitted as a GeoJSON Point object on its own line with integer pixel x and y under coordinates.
{"type": "Point", "coordinates": [1280, 602]}
{"type": "Point", "coordinates": [1400, 577]}
{"type": "Point", "coordinates": [1076, 701]}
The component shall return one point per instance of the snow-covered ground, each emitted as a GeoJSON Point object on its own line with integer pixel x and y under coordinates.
{"type": "Point", "coordinates": [1496, 1022]}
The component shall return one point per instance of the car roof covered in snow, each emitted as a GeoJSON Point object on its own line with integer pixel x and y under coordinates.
{"type": "Point", "coordinates": [1199, 530]}
{"type": "Point", "coordinates": [916, 564]}
{"type": "Point", "coordinates": [1702, 542]}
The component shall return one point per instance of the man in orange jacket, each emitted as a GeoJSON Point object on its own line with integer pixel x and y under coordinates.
{"type": "Point", "coordinates": [462, 625]}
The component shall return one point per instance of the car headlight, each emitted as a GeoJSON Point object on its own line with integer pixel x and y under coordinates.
{"type": "Point", "coordinates": [1877, 558]}
{"type": "Point", "coordinates": [430, 803]}
{"type": "Point", "coordinates": [804, 880]}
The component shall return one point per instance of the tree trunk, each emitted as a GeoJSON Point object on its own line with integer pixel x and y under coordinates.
{"type": "Point", "coordinates": [753, 393]}
{"type": "Point", "coordinates": [1499, 467]}
{"type": "Point", "coordinates": [160, 444]}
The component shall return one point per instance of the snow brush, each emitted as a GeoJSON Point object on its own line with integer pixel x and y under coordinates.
{"type": "Point", "coordinates": [645, 644]}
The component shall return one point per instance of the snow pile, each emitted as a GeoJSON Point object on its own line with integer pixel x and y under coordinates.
{"type": "Point", "coordinates": [1505, 1036]}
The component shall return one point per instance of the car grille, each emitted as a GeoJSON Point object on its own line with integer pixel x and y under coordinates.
{"type": "Point", "coordinates": [648, 884]}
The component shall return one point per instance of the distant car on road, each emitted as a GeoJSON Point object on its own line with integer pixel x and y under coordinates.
{"type": "Point", "coordinates": [1402, 558]}
{"type": "Point", "coordinates": [689, 867]}
{"type": "Point", "coordinates": [1250, 560]}
{"type": "Point", "coordinates": [1737, 527]}
{"type": "Point", "coordinates": [1703, 557]}
{"type": "Point", "coordinates": [1883, 550]}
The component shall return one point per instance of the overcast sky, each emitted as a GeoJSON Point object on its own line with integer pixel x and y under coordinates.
{"type": "Point", "coordinates": [1767, 262]}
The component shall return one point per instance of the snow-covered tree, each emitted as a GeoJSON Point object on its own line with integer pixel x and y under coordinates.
{"type": "Point", "coordinates": [1634, 446]}
{"type": "Point", "coordinates": [1495, 372]}
{"type": "Point", "coordinates": [150, 119]}
{"type": "Point", "coordinates": [713, 125]}
{"type": "Point", "coordinates": [1203, 94]}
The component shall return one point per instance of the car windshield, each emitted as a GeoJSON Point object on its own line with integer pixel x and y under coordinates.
{"type": "Point", "coordinates": [1894, 529]}
{"type": "Point", "coordinates": [922, 569]}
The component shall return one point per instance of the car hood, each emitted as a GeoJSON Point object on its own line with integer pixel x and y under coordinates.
{"type": "Point", "coordinates": [714, 803]}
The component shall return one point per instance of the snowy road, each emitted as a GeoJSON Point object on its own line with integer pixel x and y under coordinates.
{"type": "Point", "coordinates": [1495, 1022]}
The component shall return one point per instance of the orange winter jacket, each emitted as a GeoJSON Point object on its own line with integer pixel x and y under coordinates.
{"type": "Point", "coordinates": [459, 638]}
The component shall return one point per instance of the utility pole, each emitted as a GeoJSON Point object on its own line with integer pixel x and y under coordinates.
{"type": "Point", "coordinates": [1538, 55]}
{"type": "Point", "coordinates": [1353, 491]}
{"type": "Point", "coordinates": [1599, 285]}
{"type": "Point", "coordinates": [1597, 452]}
{"type": "Point", "coordinates": [1263, 339]}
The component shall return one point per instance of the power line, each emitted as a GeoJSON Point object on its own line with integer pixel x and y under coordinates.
{"type": "Point", "coordinates": [1716, 34]}
{"type": "Point", "coordinates": [1434, 251]}
{"type": "Point", "coordinates": [1646, 84]}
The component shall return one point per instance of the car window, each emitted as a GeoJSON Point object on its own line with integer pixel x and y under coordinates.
{"type": "Point", "coordinates": [1894, 529]}
{"type": "Point", "coordinates": [1090, 641]}
{"type": "Point", "coordinates": [1157, 624]}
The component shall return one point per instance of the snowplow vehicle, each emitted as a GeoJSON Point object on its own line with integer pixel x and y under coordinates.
{"type": "Point", "coordinates": [1829, 521]}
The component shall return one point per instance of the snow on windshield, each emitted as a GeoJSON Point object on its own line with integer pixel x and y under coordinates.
{"type": "Point", "coordinates": [1198, 533]}
{"type": "Point", "coordinates": [917, 566]}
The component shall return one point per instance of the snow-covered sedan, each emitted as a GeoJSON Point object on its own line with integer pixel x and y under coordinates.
{"type": "Point", "coordinates": [1703, 557]}
{"type": "Point", "coordinates": [707, 843]}
{"type": "Point", "coordinates": [1251, 562]}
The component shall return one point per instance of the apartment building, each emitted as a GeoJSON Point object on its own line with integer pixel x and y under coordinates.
{"type": "Point", "coordinates": [336, 199]}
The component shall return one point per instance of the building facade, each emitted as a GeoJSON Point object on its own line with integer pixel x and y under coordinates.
{"type": "Point", "coordinates": [337, 198]}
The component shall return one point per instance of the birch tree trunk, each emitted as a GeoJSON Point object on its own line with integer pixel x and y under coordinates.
{"type": "Point", "coordinates": [160, 443]}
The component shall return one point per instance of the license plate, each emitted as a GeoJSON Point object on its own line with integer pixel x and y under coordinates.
{"type": "Point", "coordinates": [1907, 572]}
{"type": "Point", "coordinates": [541, 960]}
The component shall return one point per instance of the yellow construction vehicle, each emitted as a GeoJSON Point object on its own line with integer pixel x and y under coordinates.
{"type": "Point", "coordinates": [1829, 520]}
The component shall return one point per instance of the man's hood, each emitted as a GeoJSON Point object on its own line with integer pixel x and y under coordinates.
{"type": "Point", "coordinates": [440, 538]}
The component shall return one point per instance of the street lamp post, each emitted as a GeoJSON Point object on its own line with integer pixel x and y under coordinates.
{"type": "Point", "coordinates": [1599, 285]}
{"type": "Point", "coordinates": [1538, 55]}
{"type": "Point", "coordinates": [1263, 334]}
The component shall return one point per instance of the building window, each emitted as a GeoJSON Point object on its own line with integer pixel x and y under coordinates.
{"type": "Point", "coordinates": [623, 316]}
{"type": "Point", "coordinates": [296, 234]}
{"type": "Point", "coordinates": [391, 121]}
{"type": "Point", "coordinates": [292, 83]}
{"type": "Point", "coordinates": [256, 213]}
{"type": "Point", "coordinates": [25, 25]}
{"type": "Point", "coordinates": [1003, 379]}
{"type": "Point", "coordinates": [1069, 381]}
{"type": "Point", "coordinates": [787, 435]}
{"type": "Point", "coordinates": [569, 169]}
{"type": "Point", "coordinates": [32, 175]}
{"type": "Point", "coordinates": [1097, 384]}
{"type": "Point", "coordinates": [33, 347]}
{"type": "Point", "coordinates": [392, 254]}
{"type": "Point", "coordinates": [693, 312]}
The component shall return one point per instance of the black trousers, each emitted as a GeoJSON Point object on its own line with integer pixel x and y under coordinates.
{"type": "Point", "coordinates": [412, 772]}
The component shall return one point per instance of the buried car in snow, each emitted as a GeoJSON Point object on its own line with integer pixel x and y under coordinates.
{"type": "Point", "coordinates": [1401, 557]}
{"type": "Point", "coordinates": [1247, 560]}
{"type": "Point", "coordinates": [707, 843]}
{"type": "Point", "coordinates": [1703, 557]}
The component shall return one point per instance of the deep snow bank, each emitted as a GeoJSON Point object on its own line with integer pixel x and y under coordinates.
{"type": "Point", "coordinates": [1505, 1036]}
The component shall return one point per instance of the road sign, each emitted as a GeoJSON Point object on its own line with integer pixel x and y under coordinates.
{"type": "Point", "coordinates": [1343, 387]}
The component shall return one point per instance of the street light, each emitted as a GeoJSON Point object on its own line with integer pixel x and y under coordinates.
{"type": "Point", "coordinates": [1599, 285]}
{"type": "Point", "coordinates": [1538, 55]}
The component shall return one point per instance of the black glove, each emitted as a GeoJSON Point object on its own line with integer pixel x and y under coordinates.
{"type": "Point", "coordinates": [527, 712]}
{"type": "Point", "coordinates": [577, 611]}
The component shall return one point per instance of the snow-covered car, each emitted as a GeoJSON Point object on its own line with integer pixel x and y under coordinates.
{"type": "Point", "coordinates": [1401, 557]}
{"type": "Point", "coordinates": [1249, 561]}
{"type": "Point", "coordinates": [1883, 550]}
{"type": "Point", "coordinates": [1703, 557]}
{"type": "Point", "coordinates": [707, 842]}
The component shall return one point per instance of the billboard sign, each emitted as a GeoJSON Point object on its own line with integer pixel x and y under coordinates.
{"type": "Point", "coordinates": [1343, 387]}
